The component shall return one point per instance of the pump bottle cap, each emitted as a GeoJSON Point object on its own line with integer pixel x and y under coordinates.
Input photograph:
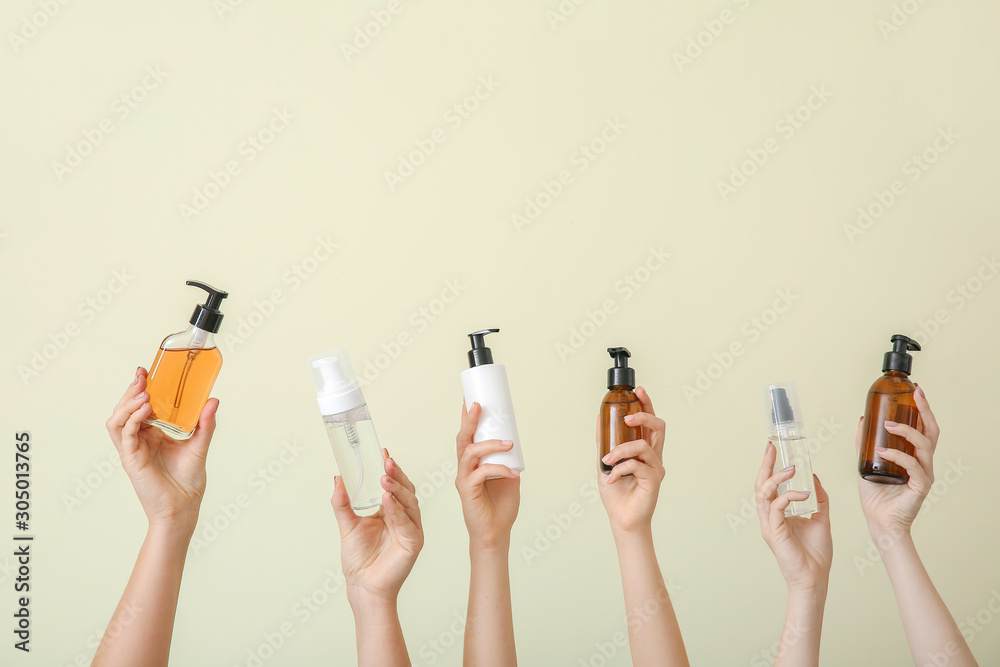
{"type": "Point", "coordinates": [897, 358]}
{"type": "Point", "coordinates": [207, 316]}
{"type": "Point", "coordinates": [480, 355]}
{"type": "Point", "coordinates": [781, 404]}
{"type": "Point", "coordinates": [337, 390]}
{"type": "Point", "coordinates": [620, 375]}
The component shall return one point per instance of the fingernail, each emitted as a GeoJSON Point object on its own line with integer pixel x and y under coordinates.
{"type": "Point", "coordinates": [507, 443]}
{"type": "Point", "coordinates": [806, 493]}
{"type": "Point", "coordinates": [142, 396]}
{"type": "Point", "coordinates": [515, 473]}
{"type": "Point", "coordinates": [789, 468]}
{"type": "Point", "coordinates": [920, 390]}
{"type": "Point", "coordinates": [880, 448]}
{"type": "Point", "coordinates": [629, 418]}
{"type": "Point", "coordinates": [606, 458]}
{"type": "Point", "coordinates": [889, 424]}
{"type": "Point", "coordinates": [767, 446]}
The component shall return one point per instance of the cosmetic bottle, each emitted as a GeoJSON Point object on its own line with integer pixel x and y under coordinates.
{"type": "Point", "coordinates": [181, 377]}
{"type": "Point", "coordinates": [350, 429]}
{"type": "Point", "coordinates": [485, 382]}
{"type": "Point", "coordinates": [889, 399]}
{"type": "Point", "coordinates": [619, 402]}
{"type": "Point", "coordinates": [784, 430]}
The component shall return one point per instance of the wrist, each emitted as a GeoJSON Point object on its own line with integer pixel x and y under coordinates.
{"type": "Point", "coordinates": [497, 545]}
{"type": "Point", "coordinates": [640, 535]}
{"type": "Point", "coordinates": [364, 597]}
{"type": "Point", "coordinates": [888, 537]}
{"type": "Point", "coordinates": [172, 531]}
{"type": "Point", "coordinates": [810, 594]}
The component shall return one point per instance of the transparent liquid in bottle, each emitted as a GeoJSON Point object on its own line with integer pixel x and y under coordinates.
{"type": "Point", "coordinates": [359, 456]}
{"type": "Point", "coordinates": [794, 450]}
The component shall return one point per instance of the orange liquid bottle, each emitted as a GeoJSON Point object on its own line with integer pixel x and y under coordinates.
{"type": "Point", "coordinates": [183, 373]}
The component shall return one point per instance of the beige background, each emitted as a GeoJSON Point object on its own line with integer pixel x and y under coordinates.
{"type": "Point", "coordinates": [656, 185]}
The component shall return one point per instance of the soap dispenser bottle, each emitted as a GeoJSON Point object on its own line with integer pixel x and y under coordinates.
{"type": "Point", "coordinates": [485, 382]}
{"type": "Point", "coordinates": [889, 399]}
{"type": "Point", "coordinates": [350, 428]}
{"type": "Point", "coordinates": [619, 402]}
{"type": "Point", "coordinates": [184, 370]}
{"type": "Point", "coordinates": [784, 428]}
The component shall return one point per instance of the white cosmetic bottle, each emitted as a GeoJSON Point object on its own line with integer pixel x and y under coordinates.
{"type": "Point", "coordinates": [486, 383]}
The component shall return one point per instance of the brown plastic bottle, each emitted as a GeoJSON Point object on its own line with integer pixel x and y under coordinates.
{"type": "Point", "coordinates": [618, 402]}
{"type": "Point", "coordinates": [889, 399]}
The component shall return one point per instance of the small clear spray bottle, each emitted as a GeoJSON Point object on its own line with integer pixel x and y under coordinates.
{"type": "Point", "coordinates": [784, 421]}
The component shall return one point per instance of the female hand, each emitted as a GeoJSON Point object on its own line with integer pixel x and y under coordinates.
{"type": "Point", "coordinates": [802, 546]}
{"type": "Point", "coordinates": [630, 490]}
{"type": "Point", "coordinates": [891, 508]}
{"type": "Point", "coordinates": [489, 505]}
{"type": "Point", "coordinates": [168, 475]}
{"type": "Point", "coordinates": [377, 552]}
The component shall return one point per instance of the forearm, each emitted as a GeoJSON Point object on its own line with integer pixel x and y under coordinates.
{"type": "Point", "coordinates": [140, 631]}
{"type": "Point", "coordinates": [930, 629]}
{"type": "Point", "coordinates": [654, 635]}
{"type": "Point", "coordinates": [379, 635]}
{"type": "Point", "coordinates": [800, 638]}
{"type": "Point", "coordinates": [489, 624]}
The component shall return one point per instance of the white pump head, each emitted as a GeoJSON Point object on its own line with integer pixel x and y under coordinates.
{"type": "Point", "coordinates": [337, 390]}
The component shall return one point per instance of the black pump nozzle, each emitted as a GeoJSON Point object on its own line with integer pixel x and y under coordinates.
{"type": "Point", "coordinates": [207, 316]}
{"type": "Point", "coordinates": [620, 375]}
{"type": "Point", "coordinates": [897, 358]}
{"type": "Point", "coordinates": [480, 355]}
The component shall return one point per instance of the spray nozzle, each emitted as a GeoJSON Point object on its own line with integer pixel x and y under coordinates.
{"type": "Point", "coordinates": [620, 375]}
{"type": "Point", "coordinates": [781, 402]}
{"type": "Point", "coordinates": [337, 389]}
{"type": "Point", "coordinates": [480, 355]}
{"type": "Point", "coordinates": [897, 358]}
{"type": "Point", "coordinates": [207, 316]}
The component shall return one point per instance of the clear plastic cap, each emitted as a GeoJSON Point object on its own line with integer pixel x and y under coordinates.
{"type": "Point", "coordinates": [337, 389]}
{"type": "Point", "coordinates": [781, 405]}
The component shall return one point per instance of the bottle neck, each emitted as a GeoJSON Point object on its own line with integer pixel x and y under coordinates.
{"type": "Point", "coordinates": [199, 338]}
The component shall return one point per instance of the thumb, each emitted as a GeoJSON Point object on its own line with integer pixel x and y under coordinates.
{"type": "Point", "coordinates": [346, 518]}
{"type": "Point", "coordinates": [206, 427]}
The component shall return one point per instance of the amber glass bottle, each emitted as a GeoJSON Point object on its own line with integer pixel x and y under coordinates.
{"type": "Point", "coordinates": [618, 402]}
{"type": "Point", "coordinates": [889, 399]}
{"type": "Point", "coordinates": [181, 377]}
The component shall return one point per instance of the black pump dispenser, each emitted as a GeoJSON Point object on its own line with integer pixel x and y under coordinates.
{"type": "Point", "coordinates": [207, 316]}
{"type": "Point", "coordinates": [620, 375]}
{"type": "Point", "coordinates": [480, 355]}
{"type": "Point", "coordinates": [897, 358]}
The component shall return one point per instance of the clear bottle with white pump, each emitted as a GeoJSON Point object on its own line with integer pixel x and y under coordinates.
{"type": "Point", "coordinates": [784, 422]}
{"type": "Point", "coordinates": [349, 426]}
{"type": "Point", "coordinates": [486, 383]}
